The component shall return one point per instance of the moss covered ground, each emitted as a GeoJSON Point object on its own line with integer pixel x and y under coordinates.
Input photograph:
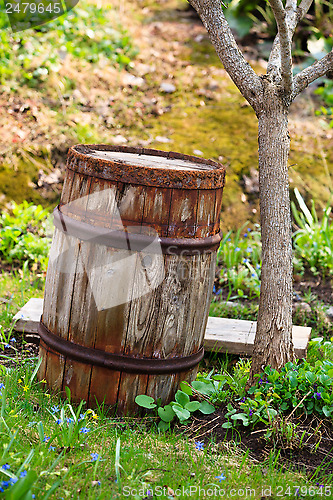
{"type": "Point", "coordinates": [100, 101]}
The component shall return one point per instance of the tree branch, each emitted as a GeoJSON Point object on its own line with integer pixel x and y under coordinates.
{"type": "Point", "coordinates": [310, 74]}
{"type": "Point", "coordinates": [294, 16]}
{"type": "Point", "coordinates": [291, 4]}
{"type": "Point", "coordinates": [303, 9]}
{"type": "Point", "coordinates": [241, 73]}
{"type": "Point", "coordinates": [283, 48]}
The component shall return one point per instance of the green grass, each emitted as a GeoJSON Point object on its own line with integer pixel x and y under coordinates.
{"type": "Point", "coordinates": [88, 33]}
{"type": "Point", "coordinates": [115, 458]}
{"type": "Point", "coordinates": [126, 458]}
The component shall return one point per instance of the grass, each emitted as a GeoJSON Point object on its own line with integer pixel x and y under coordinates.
{"type": "Point", "coordinates": [115, 458]}
{"type": "Point", "coordinates": [16, 288]}
{"type": "Point", "coordinates": [120, 457]}
{"type": "Point", "coordinates": [88, 33]}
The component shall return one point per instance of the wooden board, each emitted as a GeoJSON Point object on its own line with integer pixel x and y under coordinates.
{"type": "Point", "coordinates": [222, 334]}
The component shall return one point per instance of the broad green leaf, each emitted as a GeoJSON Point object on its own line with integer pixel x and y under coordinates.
{"type": "Point", "coordinates": [227, 425]}
{"type": "Point", "coordinates": [181, 413]}
{"type": "Point", "coordinates": [145, 401]}
{"type": "Point", "coordinates": [203, 387]}
{"type": "Point", "coordinates": [193, 406]}
{"type": "Point", "coordinates": [206, 408]}
{"type": "Point", "coordinates": [166, 414]}
{"type": "Point", "coordinates": [241, 416]}
{"type": "Point", "coordinates": [327, 411]}
{"type": "Point", "coordinates": [186, 388]}
{"type": "Point", "coordinates": [182, 398]}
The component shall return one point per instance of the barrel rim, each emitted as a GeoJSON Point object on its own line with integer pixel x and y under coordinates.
{"type": "Point", "coordinates": [79, 161]}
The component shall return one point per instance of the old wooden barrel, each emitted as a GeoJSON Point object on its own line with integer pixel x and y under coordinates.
{"type": "Point", "coordinates": [130, 275]}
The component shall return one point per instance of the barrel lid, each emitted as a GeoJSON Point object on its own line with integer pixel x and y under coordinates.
{"type": "Point", "coordinates": [148, 167]}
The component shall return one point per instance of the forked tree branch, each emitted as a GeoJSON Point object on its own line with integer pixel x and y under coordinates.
{"type": "Point", "coordinates": [284, 45]}
{"type": "Point", "coordinates": [310, 74]}
{"type": "Point", "coordinates": [244, 77]}
{"type": "Point", "coordinates": [294, 16]}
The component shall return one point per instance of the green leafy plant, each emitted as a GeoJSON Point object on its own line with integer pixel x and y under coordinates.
{"type": "Point", "coordinates": [239, 258]}
{"type": "Point", "coordinates": [180, 409]}
{"type": "Point", "coordinates": [325, 91]}
{"type": "Point", "coordinates": [25, 235]}
{"type": "Point", "coordinates": [313, 239]}
{"type": "Point", "coordinates": [298, 388]}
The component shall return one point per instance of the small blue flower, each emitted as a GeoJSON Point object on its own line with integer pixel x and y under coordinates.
{"type": "Point", "coordinates": [5, 467]}
{"type": "Point", "coordinates": [13, 339]}
{"type": "Point", "coordinates": [84, 430]}
{"type": "Point", "coordinates": [99, 483]}
{"type": "Point", "coordinates": [251, 412]}
{"type": "Point", "coordinates": [243, 400]}
{"type": "Point", "coordinates": [70, 420]}
{"type": "Point", "coordinates": [82, 417]}
{"type": "Point", "coordinates": [249, 250]}
{"type": "Point", "coordinates": [55, 409]}
{"type": "Point", "coordinates": [249, 230]}
{"type": "Point", "coordinates": [13, 480]}
{"type": "Point", "coordinates": [253, 275]}
{"type": "Point", "coordinates": [258, 266]}
{"type": "Point", "coordinates": [318, 395]}
{"type": "Point", "coordinates": [46, 439]}
{"type": "Point", "coordinates": [94, 457]}
{"type": "Point", "coordinates": [237, 249]}
{"type": "Point", "coordinates": [2, 386]}
{"type": "Point", "coordinates": [245, 261]}
{"type": "Point", "coordinates": [5, 484]}
{"type": "Point", "coordinates": [59, 421]}
{"type": "Point", "coordinates": [260, 381]}
{"type": "Point", "coordinates": [23, 473]}
{"type": "Point", "coordinates": [7, 345]}
{"type": "Point", "coordinates": [229, 239]}
{"type": "Point", "coordinates": [221, 477]}
{"type": "Point", "coordinates": [51, 448]}
{"type": "Point", "coordinates": [199, 445]}
{"type": "Point", "coordinates": [245, 235]}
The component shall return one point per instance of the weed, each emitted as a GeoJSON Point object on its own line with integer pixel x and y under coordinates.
{"type": "Point", "coordinates": [313, 239]}
{"type": "Point", "coordinates": [25, 232]}
{"type": "Point", "coordinates": [84, 33]}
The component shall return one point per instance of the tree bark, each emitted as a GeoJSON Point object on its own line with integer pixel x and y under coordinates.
{"type": "Point", "coordinates": [273, 343]}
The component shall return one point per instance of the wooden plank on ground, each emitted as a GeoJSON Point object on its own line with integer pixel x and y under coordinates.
{"type": "Point", "coordinates": [237, 336]}
{"type": "Point", "coordinates": [222, 334]}
{"type": "Point", "coordinates": [28, 317]}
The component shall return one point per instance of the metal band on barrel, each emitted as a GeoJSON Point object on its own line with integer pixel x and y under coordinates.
{"type": "Point", "coordinates": [118, 362]}
{"type": "Point", "coordinates": [134, 241]}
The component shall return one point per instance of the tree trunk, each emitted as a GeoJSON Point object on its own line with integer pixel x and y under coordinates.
{"type": "Point", "coordinates": [273, 342]}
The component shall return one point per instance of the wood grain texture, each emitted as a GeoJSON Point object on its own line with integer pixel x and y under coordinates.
{"type": "Point", "coordinates": [138, 304]}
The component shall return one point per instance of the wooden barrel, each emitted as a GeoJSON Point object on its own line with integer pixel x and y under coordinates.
{"type": "Point", "coordinates": [130, 275]}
